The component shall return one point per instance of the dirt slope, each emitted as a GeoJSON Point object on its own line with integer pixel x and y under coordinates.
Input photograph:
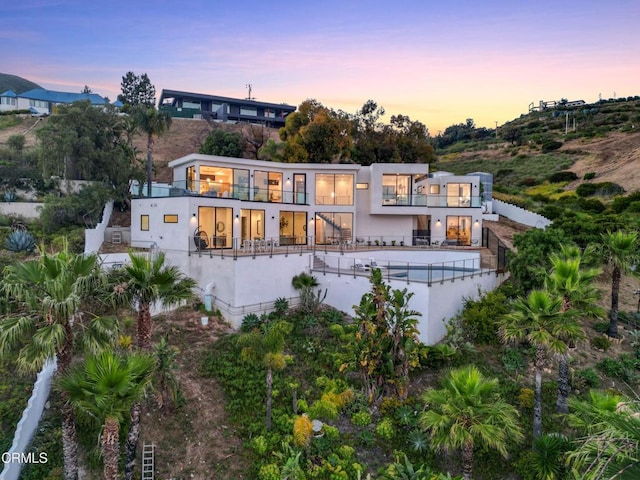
{"type": "Point", "coordinates": [615, 158]}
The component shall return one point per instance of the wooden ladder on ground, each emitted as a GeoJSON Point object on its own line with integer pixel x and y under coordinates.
{"type": "Point", "coordinates": [148, 465]}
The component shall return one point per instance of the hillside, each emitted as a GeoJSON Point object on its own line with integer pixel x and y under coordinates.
{"type": "Point", "coordinates": [15, 83]}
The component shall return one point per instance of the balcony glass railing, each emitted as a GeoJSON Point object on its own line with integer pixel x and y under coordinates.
{"type": "Point", "coordinates": [422, 200]}
{"type": "Point", "coordinates": [222, 190]}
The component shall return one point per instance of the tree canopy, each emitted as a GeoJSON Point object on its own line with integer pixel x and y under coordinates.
{"type": "Point", "coordinates": [137, 90]}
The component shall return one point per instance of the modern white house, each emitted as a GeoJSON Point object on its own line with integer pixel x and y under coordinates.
{"type": "Point", "coordinates": [243, 228]}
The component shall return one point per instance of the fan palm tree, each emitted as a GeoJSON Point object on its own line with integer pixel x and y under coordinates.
{"type": "Point", "coordinates": [620, 253]}
{"type": "Point", "coordinates": [538, 319]}
{"type": "Point", "coordinates": [45, 320]}
{"type": "Point", "coordinates": [266, 347]}
{"type": "Point", "coordinates": [610, 445]}
{"type": "Point", "coordinates": [570, 279]}
{"type": "Point", "coordinates": [153, 123]}
{"type": "Point", "coordinates": [147, 280]}
{"type": "Point", "coordinates": [468, 412]}
{"type": "Point", "coordinates": [104, 387]}
{"type": "Point", "coordinates": [143, 282]}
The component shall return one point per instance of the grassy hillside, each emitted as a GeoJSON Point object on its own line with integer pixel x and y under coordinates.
{"type": "Point", "coordinates": [15, 83]}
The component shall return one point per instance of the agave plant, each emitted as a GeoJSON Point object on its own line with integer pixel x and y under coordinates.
{"type": "Point", "coordinates": [20, 241]}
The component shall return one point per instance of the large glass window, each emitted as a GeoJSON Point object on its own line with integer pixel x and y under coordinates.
{"type": "Point", "coordinates": [241, 184]}
{"type": "Point", "coordinates": [300, 188]}
{"type": "Point", "coordinates": [267, 186]}
{"type": "Point", "coordinates": [293, 228]}
{"type": "Point", "coordinates": [216, 223]}
{"type": "Point", "coordinates": [216, 181]}
{"type": "Point", "coordinates": [333, 228]}
{"type": "Point", "coordinates": [191, 178]}
{"type": "Point", "coordinates": [458, 194]}
{"type": "Point", "coordinates": [459, 229]}
{"type": "Point", "coordinates": [251, 224]}
{"type": "Point", "coordinates": [396, 189]}
{"type": "Point", "coordinates": [334, 189]}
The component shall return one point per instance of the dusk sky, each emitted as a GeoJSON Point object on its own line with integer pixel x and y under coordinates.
{"type": "Point", "coordinates": [438, 62]}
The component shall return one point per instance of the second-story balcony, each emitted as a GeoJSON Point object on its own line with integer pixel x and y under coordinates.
{"type": "Point", "coordinates": [222, 190]}
{"type": "Point", "coordinates": [422, 200]}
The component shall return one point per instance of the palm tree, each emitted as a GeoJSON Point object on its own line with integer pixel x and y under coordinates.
{"type": "Point", "coordinates": [610, 445]}
{"type": "Point", "coordinates": [104, 387]}
{"type": "Point", "coordinates": [538, 320]}
{"type": "Point", "coordinates": [143, 282]}
{"type": "Point", "coordinates": [147, 280]}
{"type": "Point", "coordinates": [154, 124]}
{"type": "Point", "coordinates": [468, 412]}
{"type": "Point", "coordinates": [620, 253]}
{"type": "Point", "coordinates": [266, 347]}
{"type": "Point", "coordinates": [305, 283]}
{"type": "Point", "coordinates": [571, 280]}
{"type": "Point", "coordinates": [45, 321]}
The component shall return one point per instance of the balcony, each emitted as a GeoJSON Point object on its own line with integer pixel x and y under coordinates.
{"type": "Point", "coordinates": [222, 190]}
{"type": "Point", "coordinates": [422, 200]}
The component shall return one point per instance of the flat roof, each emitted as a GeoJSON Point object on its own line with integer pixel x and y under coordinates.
{"type": "Point", "coordinates": [217, 98]}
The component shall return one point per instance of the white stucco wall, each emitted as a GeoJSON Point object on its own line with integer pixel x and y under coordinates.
{"type": "Point", "coordinates": [520, 215]}
{"type": "Point", "coordinates": [437, 303]}
{"type": "Point", "coordinates": [21, 209]}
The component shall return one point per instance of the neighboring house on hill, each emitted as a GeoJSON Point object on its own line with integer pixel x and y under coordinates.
{"type": "Point", "coordinates": [223, 109]}
{"type": "Point", "coordinates": [243, 228]}
{"type": "Point", "coordinates": [43, 102]}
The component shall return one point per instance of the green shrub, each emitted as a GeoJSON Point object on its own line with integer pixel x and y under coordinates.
{"type": "Point", "coordinates": [361, 419]}
{"type": "Point", "coordinates": [564, 176]}
{"type": "Point", "coordinates": [601, 343]}
{"type": "Point", "coordinates": [550, 145]}
{"type": "Point", "coordinates": [512, 360]}
{"type": "Point", "coordinates": [602, 189]}
{"type": "Point", "coordinates": [590, 377]}
{"type": "Point", "coordinates": [589, 176]}
{"type": "Point", "coordinates": [622, 368]}
{"type": "Point", "coordinates": [269, 471]}
{"type": "Point", "coordinates": [479, 318]}
{"type": "Point", "coordinates": [385, 429]}
{"type": "Point", "coordinates": [601, 327]}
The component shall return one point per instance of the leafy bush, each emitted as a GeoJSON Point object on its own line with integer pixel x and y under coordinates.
{"type": "Point", "coordinates": [591, 205]}
{"type": "Point", "coordinates": [361, 419]}
{"type": "Point", "coordinates": [385, 429]}
{"type": "Point", "coordinates": [622, 368]}
{"type": "Point", "coordinates": [564, 176]}
{"type": "Point", "coordinates": [602, 189]}
{"type": "Point", "coordinates": [589, 176]}
{"type": "Point", "coordinates": [479, 317]}
{"type": "Point", "coordinates": [590, 377]}
{"type": "Point", "coordinates": [601, 343]}
{"type": "Point", "coordinates": [550, 145]}
{"type": "Point", "coordinates": [82, 209]}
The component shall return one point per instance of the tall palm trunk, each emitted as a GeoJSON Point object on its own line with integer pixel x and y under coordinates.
{"type": "Point", "coordinates": [615, 291]}
{"type": "Point", "coordinates": [69, 443]}
{"type": "Point", "coordinates": [69, 434]}
{"type": "Point", "coordinates": [537, 401]}
{"type": "Point", "coordinates": [467, 460]}
{"type": "Point", "coordinates": [131, 445]}
{"type": "Point", "coordinates": [563, 384]}
{"type": "Point", "coordinates": [563, 369]}
{"type": "Point", "coordinates": [269, 389]}
{"type": "Point", "coordinates": [144, 327]}
{"type": "Point", "coordinates": [110, 448]}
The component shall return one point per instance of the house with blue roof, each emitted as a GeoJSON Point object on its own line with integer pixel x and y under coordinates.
{"type": "Point", "coordinates": [43, 102]}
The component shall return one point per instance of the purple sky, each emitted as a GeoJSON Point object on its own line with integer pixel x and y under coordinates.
{"type": "Point", "coordinates": [438, 62]}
